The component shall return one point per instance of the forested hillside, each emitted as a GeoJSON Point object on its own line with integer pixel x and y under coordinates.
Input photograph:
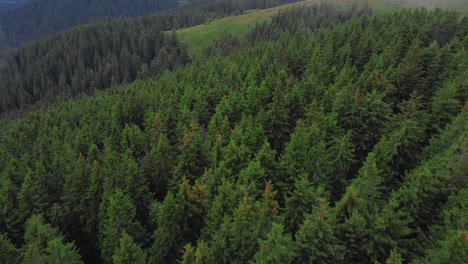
{"type": "Point", "coordinates": [103, 54]}
{"type": "Point", "coordinates": [327, 136]}
{"type": "Point", "coordinates": [42, 17]}
{"type": "Point", "coordinates": [85, 59]}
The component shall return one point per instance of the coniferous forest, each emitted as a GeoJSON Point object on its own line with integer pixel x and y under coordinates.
{"type": "Point", "coordinates": [328, 135]}
{"type": "Point", "coordinates": [37, 18]}
{"type": "Point", "coordinates": [99, 55]}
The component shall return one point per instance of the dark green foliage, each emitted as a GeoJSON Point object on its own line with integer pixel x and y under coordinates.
{"type": "Point", "coordinates": [301, 202]}
{"type": "Point", "coordinates": [167, 233]}
{"type": "Point", "coordinates": [277, 248]}
{"type": "Point", "coordinates": [327, 136]}
{"type": "Point", "coordinates": [8, 252]}
{"type": "Point", "coordinates": [45, 245]}
{"type": "Point", "coordinates": [60, 253]}
{"type": "Point", "coordinates": [179, 221]}
{"type": "Point", "coordinates": [128, 251]}
{"type": "Point", "coordinates": [317, 239]}
{"type": "Point", "coordinates": [120, 219]}
{"type": "Point", "coordinates": [99, 55]}
{"type": "Point", "coordinates": [89, 58]}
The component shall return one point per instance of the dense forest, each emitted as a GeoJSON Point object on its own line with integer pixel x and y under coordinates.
{"type": "Point", "coordinates": [99, 55]}
{"type": "Point", "coordinates": [329, 135]}
{"type": "Point", "coordinates": [85, 59]}
{"type": "Point", "coordinates": [38, 18]}
{"type": "Point", "coordinates": [43, 17]}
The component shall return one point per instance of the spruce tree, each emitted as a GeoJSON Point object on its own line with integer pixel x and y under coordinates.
{"type": "Point", "coordinates": [128, 251]}
{"type": "Point", "coordinates": [120, 217]}
{"type": "Point", "coordinates": [277, 248]}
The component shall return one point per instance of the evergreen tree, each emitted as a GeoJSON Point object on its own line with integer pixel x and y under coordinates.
{"type": "Point", "coordinates": [120, 217]}
{"type": "Point", "coordinates": [158, 166]}
{"type": "Point", "coordinates": [300, 202]}
{"type": "Point", "coordinates": [167, 235]}
{"type": "Point", "coordinates": [277, 248]}
{"type": "Point", "coordinates": [316, 237]}
{"type": "Point", "coordinates": [45, 245]}
{"type": "Point", "coordinates": [128, 251]}
{"type": "Point", "coordinates": [60, 253]}
{"type": "Point", "coordinates": [8, 253]}
{"type": "Point", "coordinates": [192, 159]}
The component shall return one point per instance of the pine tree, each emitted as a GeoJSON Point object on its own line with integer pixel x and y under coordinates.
{"type": "Point", "coordinates": [158, 166]}
{"type": "Point", "coordinates": [223, 204]}
{"type": "Point", "coordinates": [165, 246]}
{"type": "Point", "coordinates": [189, 255]}
{"type": "Point", "coordinates": [71, 197]}
{"type": "Point", "coordinates": [301, 202]}
{"type": "Point", "coordinates": [9, 219]}
{"type": "Point", "coordinates": [37, 235]}
{"type": "Point", "coordinates": [120, 217]}
{"type": "Point", "coordinates": [33, 197]}
{"type": "Point", "coordinates": [8, 253]}
{"type": "Point", "coordinates": [89, 204]}
{"type": "Point", "coordinates": [237, 238]}
{"type": "Point", "coordinates": [192, 159]}
{"type": "Point", "coordinates": [193, 204]}
{"type": "Point", "coordinates": [136, 184]}
{"type": "Point", "coordinates": [316, 237]}
{"type": "Point", "coordinates": [277, 121]}
{"type": "Point", "coordinates": [278, 248]}
{"type": "Point", "coordinates": [253, 178]}
{"type": "Point", "coordinates": [128, 251]}
{"type": "Point", "coordinates": [394, 258]}
{"type": "Point", "coordinates": [60, 253]}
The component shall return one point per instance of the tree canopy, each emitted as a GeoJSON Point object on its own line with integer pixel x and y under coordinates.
{"type": "Point", "coordinates": [329, 135]}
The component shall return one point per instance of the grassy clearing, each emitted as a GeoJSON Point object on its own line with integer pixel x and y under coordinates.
{"type": "Point", "coordinates": [198, 37]}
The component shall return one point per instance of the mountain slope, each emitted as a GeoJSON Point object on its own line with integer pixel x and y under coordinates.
{"type": "Point", "coordinates": [86, 59]}
{"type": "Point", "coordinates": [42, 17]}
{"type": "Point", "coordinates": [102, 54]}
{"type": "Point", "coordinates": [313, 145]}
{"type": "Point", "coordinates": [38, 18]}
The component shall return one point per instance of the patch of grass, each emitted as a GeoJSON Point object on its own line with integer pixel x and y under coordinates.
{"type": "Point", "coordinates": [198, 37]}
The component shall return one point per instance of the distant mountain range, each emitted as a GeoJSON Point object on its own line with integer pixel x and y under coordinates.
{"type": "Point", "coordinates": [11, 4]}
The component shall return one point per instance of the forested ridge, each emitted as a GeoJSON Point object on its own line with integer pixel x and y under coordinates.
{"type": "Point", "coordinates": [102, 54]}
{"type": "Point", "coordinates": [85, 59]}
{"type": "Point", "coordinates": [43, 17]}
{"type": "Point", "coordinates": [327, 136]}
